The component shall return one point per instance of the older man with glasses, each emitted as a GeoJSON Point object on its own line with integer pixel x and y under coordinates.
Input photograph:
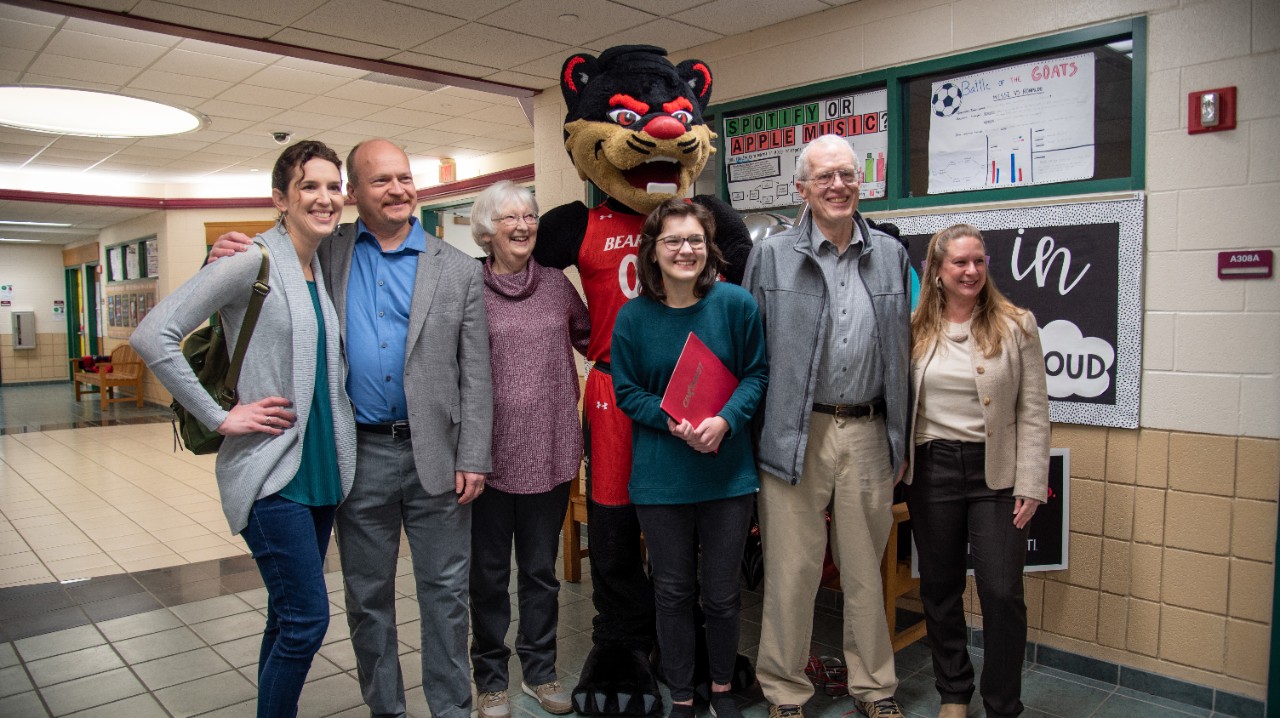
{"type": "Point", "coordinates": [833, 432]}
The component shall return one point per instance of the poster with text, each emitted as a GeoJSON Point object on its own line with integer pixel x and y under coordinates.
{"type": "Point", "coordinates": [1021, 125]}
{"type": "Point", "coordinates": [1078, 268]}
{"type": "Point", "coordinates": [131, 268]}
{"type": "Point", "coordinates": [761, 147]}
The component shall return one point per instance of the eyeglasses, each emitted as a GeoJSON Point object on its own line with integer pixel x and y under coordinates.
{"type": "Point", "coordinates": [674, 243]}
{"type": "Point", "coordinates": [512, 220]}
{"type": "Point", "coordinates": [826, 179]}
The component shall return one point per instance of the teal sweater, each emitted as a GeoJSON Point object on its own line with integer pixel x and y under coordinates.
{"type": "Point", "coordinates": [647, 339]}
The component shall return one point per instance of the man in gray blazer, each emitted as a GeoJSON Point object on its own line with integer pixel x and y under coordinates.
{"type": "Point", "coordinates": [417, 345]}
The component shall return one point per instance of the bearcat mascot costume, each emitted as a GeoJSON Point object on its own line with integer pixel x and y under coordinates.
{"type": "Point", "coordinates": [635, 129]}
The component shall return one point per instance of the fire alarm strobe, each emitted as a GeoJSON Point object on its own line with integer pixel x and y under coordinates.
{"type": "Point", "coordinates": [1245, 264]}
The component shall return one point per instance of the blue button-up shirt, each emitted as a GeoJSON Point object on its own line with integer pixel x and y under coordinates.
{"type": "Point", "coordinates": [379, 298]}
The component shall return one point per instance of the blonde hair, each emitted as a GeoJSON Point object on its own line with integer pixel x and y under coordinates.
{"type": "Point", "coordinates": [991, 315]}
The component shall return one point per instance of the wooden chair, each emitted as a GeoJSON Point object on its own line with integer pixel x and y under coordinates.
{"type": "Point", "coordinates": [574, 519]}
{"type": "Point", "coordinates": [126, 371]}
{"type": "Point", "coordinates": [897, 580]}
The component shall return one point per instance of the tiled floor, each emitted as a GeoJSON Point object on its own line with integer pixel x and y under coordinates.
{"type": "Point", "coordinates": [122, 594]}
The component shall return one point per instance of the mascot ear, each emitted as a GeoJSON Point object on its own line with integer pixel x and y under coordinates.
{"type": "Point", "coordinates": [577, 71]}
{"type": "Point", "coordinates": [698, 76]}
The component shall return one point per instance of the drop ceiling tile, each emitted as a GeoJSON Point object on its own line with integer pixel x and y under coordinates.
{"type": "Point", "coordinates": [469, 94]}
{"type": "Point", "coordinates": [443, 104]}
{"type": "Point", "coordinates": [237, 110]}
{"type": "Point", "coordinates": [431, 137]}
{"type": "Point", "coordinates": [488, 144]}
{"type": "Point", "coordinates": [23, 35]}
{"type": "Point", "coordinates": [470, 126]}
{"type": "Point", "coordinates": [456, 152]}
{"type": "Point", "coordinates": [231, 52]}
{"type": "Point", "coordinates": [192, 17]}
{"type": "Point", "coordinates": [297, 63]}
{"type": "Point", "coordinates": [377, 22]}
{"type": "Point", "coordinates": [72, 68]}
{"type": "Point", "coordinates": [179, 142]}
{"type": "Point", "coordinates": [270, 97]}
{"type": "Point", "coordinates": [185, 84]}
{"type": "Point", "coordinates": [14, 59]}
{"type": "Point", "coordinates": [284, 78]}
{"type": "Point", "coordinates": [661, 7]}
{"type": "Point", "coordinates": [220, 152]}
{"type": "Point", "coordinates": [24, 138]}
{"type": "Point", "coordinates": [336, 107]}
{"type": "Point", "coordinates": [227, 123]}
{"type": "Point", "coordinates": [43, 162]}
{"type": "Point", "coordinates": [276, 11]}
{"type": "Point", "coordinates": [206, 135]}
{"type": "Point", "coordinates": [666, 33]}
{"type": "Point", "coordinates": [151, 153]}
{"type": "Point", "coordinates": [513, 115]}
{"type": "Point", "coordinates": [406, 117]}
{"type": "Point", "coordinates": [34, 78]}
{"type": "Point", "coordinates": [731, 17]}
{"type": "Point", "coordinates": [596, 18]}
{"type": "Point", "coordinates": [201, 64]}
{"type": "Point", "coordinates": [261, 143]}
{"type": "Point", "coordinates": [291, 120]}
{"type": "Point", "coordinates": [551, 65]}
{"type": "Point", "coordinates": [10, 77]}
{"type": "Point", "coordinates": [376, 129]}
{"type": "Point", "coordinates": [440, 64]}
{"type": "Point", "coordinates": [486, 45]}
{"type": "Point", "coordinates": [341, 142]}
{"type": "Point", "coordinates": [466, 9]}
{"type": "Point", "coordinates": [101, 48]}
{"type": "Point", "coordinates": [521, 134]}
{"type": "Point", "coordinates": [35, 17]}
{"type": "Point", "coordinates": [93, 143]}
{"type": "Point", "coordinates": [520, 79]}
{"type": "Point", "coordinates": [332, 43]}
{"type": "Point", "coordinates": [375, 93]}
{"type": "Point", "coordinates": [70, 154]}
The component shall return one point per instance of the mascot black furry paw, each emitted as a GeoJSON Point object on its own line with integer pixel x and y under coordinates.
{"type": "Point", "coordinates": [635, 129]}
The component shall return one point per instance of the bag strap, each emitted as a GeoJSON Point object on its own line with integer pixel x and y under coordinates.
{"type": "Point", "coordinates": [230, 394]}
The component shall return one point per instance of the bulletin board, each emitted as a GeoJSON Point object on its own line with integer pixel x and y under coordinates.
{"type": "Point", "coordinates": [1078, 268]}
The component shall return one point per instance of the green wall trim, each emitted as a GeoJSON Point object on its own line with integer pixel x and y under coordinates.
{"type": "Point", "coordinates": [895, 80]}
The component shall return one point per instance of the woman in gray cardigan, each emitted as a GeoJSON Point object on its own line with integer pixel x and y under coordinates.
{"type": "Point", "coordinates": [288, 458]}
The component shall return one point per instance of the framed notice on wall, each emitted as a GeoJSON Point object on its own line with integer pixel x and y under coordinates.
{"type": "Point", "coordinates": [761, 147]}
{"type": "Point", "coordinates": [1078, 268]}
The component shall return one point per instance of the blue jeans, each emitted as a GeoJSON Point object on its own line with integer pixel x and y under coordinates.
{"type": "Point", "coordinates": [289, 541]}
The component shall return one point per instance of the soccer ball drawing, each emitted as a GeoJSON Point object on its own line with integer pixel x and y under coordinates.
{"type": "Point", "coordinates": [946, 100]}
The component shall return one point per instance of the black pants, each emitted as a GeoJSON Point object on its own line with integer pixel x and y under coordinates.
{"type": "Point", "coordinates": [951, 507]}
{"type": "Point", "coordinates": [533, 521]}
{"type": "Point", "coordinates": [674, 534]}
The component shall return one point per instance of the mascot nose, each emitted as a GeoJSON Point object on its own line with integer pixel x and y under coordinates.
{"type": "Point", "coordinates": [664, 127]}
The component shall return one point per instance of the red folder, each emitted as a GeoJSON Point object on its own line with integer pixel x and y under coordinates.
{"type": "Point", "coordinates": [700, 386]}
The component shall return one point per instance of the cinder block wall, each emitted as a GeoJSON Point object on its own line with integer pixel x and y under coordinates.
{"type": "Point", "coordinates": [1173, 540]}
{"type": "Point", "coordinates": [47, 362]}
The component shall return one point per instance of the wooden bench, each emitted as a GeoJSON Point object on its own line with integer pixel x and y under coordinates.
{"type": "Point", "coordinates": [126, 371]}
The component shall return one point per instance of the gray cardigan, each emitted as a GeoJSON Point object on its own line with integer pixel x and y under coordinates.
{"type": "Point", "coordinates": [785, 279]}
{"type": "Point", "coordinates": [281, 361]}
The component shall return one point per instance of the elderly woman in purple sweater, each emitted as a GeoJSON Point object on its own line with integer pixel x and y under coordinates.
{"type": "Point", "coordinates": [536, 320]}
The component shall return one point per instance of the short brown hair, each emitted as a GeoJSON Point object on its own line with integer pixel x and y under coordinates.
{"type": "Point", "coordinates": [647, 269]}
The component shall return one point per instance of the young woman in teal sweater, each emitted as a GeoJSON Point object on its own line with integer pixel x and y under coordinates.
{"type": "Point", "coordinates": [693, 486]}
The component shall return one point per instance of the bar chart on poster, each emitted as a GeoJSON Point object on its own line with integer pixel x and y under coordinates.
{"type": "Point", "coordinates": [1030, 123]}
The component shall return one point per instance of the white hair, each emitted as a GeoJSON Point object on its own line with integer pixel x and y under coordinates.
{"type": "Point", "coordinates": [802, 161]}
{"type": "Point", "coordinates": [495, 200]}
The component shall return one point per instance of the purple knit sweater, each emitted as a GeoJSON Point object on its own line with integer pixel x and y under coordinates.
{"type": "Point", "coordinates": [536, 319]}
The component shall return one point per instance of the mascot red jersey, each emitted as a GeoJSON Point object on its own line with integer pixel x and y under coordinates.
{"type": "Point", "coordinates": [634, 128]}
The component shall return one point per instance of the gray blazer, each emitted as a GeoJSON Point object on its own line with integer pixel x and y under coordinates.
{"type": "Point", "coordinates": [281, 361]}
{"type": "Point", "coordinates": [447, 380]}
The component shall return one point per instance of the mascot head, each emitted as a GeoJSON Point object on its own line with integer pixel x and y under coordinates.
{"type": "Point", "coordinates": [634, 125]}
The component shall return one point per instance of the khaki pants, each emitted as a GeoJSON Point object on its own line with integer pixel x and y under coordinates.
{"type": "Point", "coordinates": [846, 469]}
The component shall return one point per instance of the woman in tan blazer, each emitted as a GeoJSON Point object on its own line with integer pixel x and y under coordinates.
{"type": "Point", "coordinates": [980, 431]}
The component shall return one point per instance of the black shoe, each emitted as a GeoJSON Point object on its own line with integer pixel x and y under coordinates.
{"type": "Point", "coordinates": [724, 705]}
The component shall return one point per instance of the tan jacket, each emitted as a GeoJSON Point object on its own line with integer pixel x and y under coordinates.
{"type": "Point", "coordinates": [1015, 407]}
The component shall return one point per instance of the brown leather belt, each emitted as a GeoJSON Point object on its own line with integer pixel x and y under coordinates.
{"type": "Point", "coordinates": [852, 411]}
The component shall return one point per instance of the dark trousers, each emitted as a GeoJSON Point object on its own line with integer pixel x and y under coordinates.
{"type": "Point", "coordinates": [289, 541]}
{"type": "Point", "coordinates": [674, 535]}
{"type": "Point", "coordinates": [951, 507]}
{"type": "Point", "coordinates": [533, 522]}
{"type": "Point", "coordinates": [620, 590]}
